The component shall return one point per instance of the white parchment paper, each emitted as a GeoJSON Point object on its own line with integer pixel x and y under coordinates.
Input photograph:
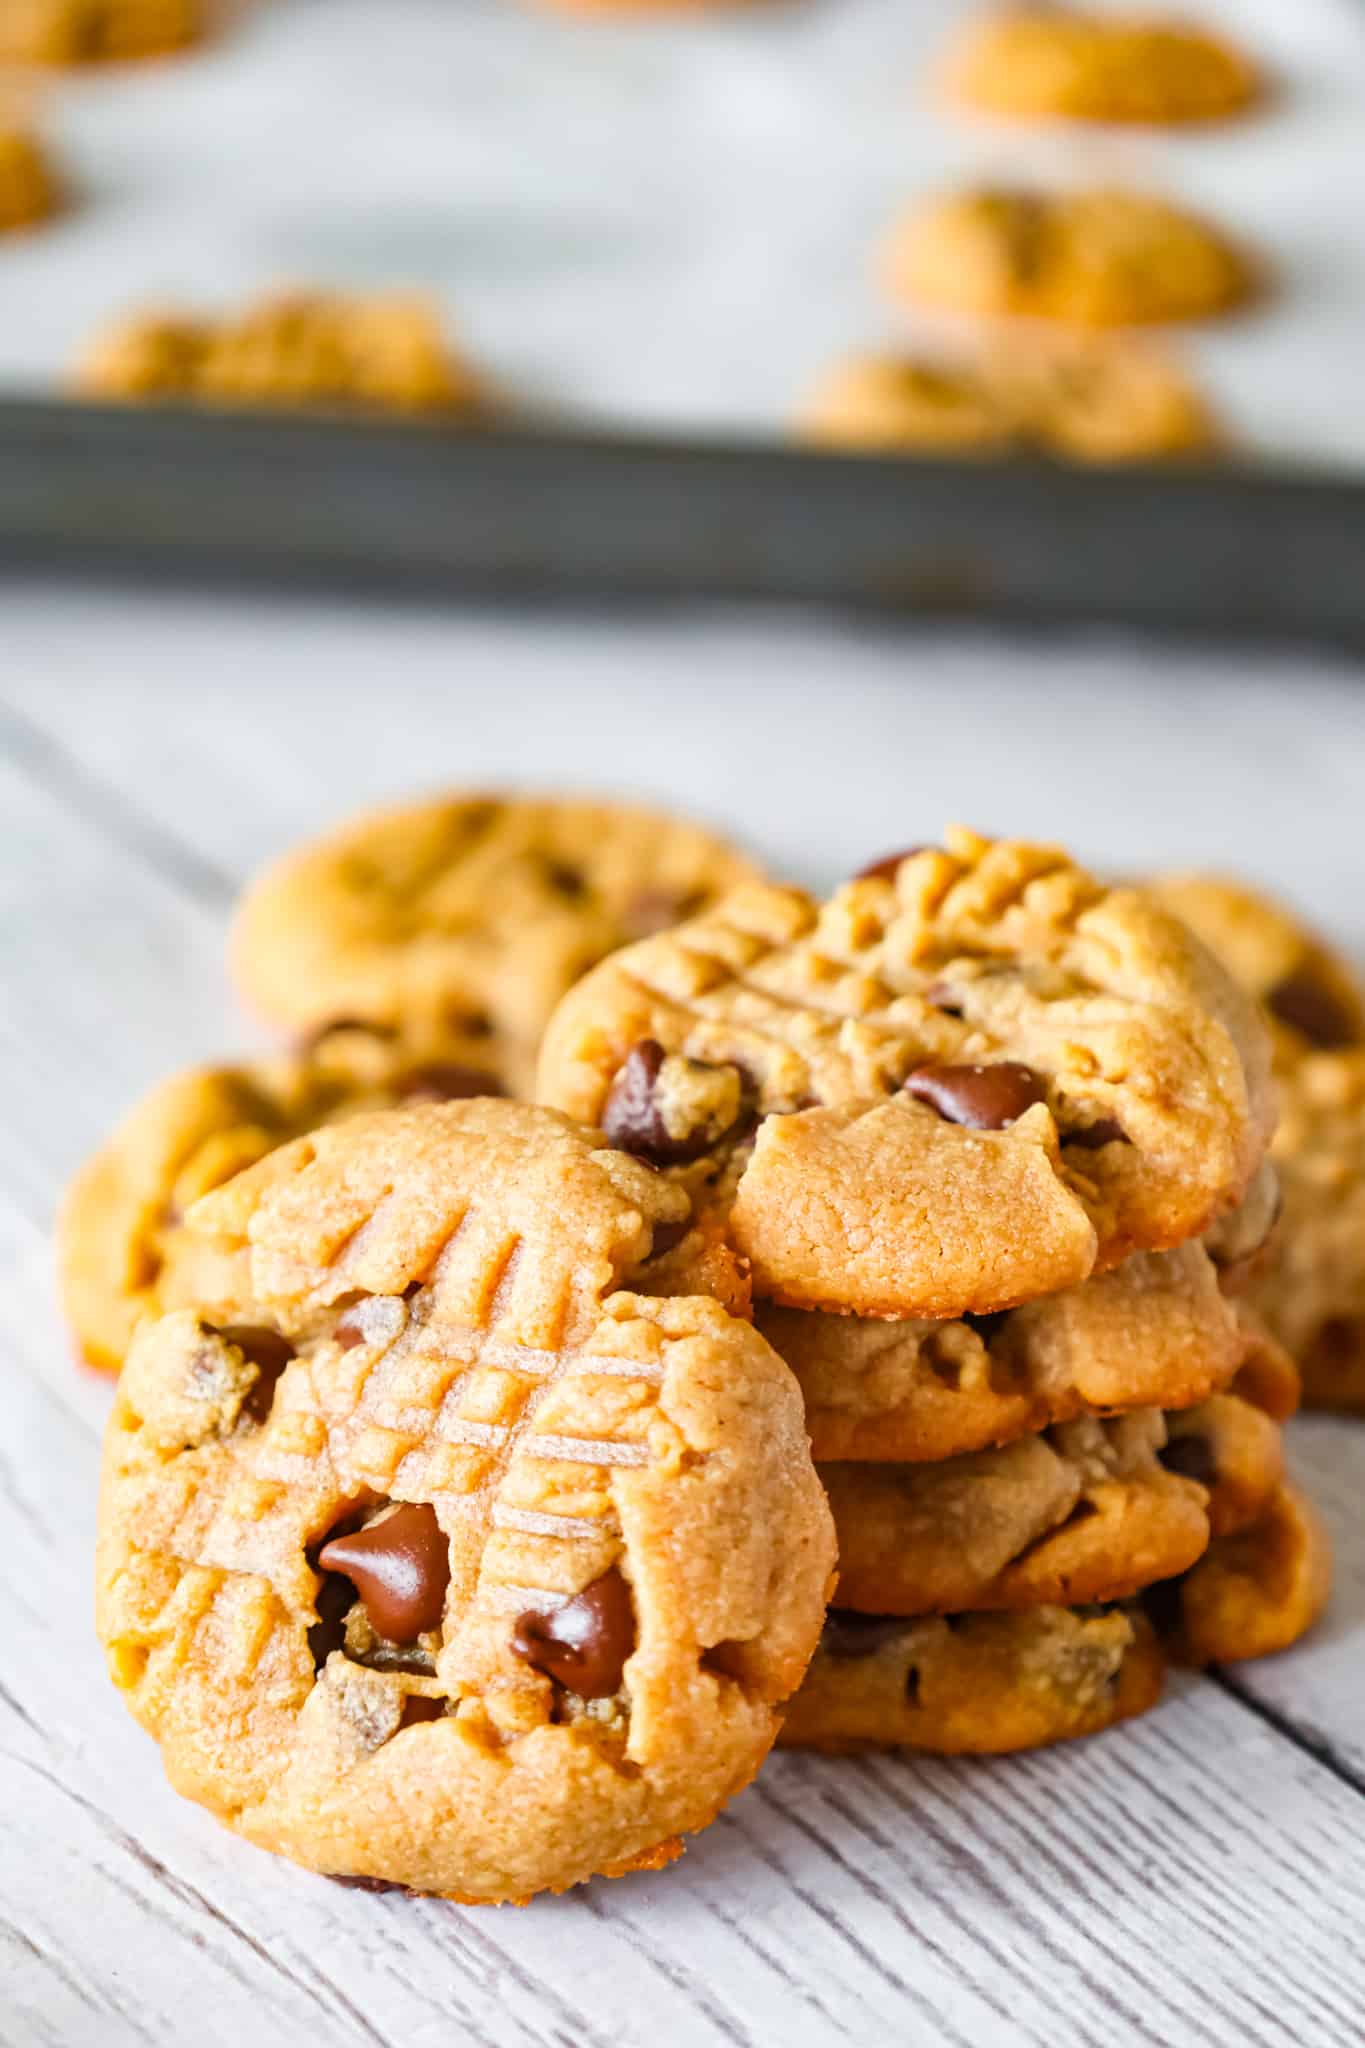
{"type": "Point", "coordinates": [667, 223]}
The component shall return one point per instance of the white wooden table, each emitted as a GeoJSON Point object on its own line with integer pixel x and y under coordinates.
{"type": "Point", "coordinates": [1197, 1878]}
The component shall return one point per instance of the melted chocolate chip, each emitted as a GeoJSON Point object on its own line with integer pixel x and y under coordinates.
{"type": "Point", "coordinates": [400, 1567]}
{"type": "Point", "coordinates": [1106, 1130]}
{"type": "Point", "coordinates": [584, 1642]}
{"type": "Point", "coordinates": [633, 1120]}
{"type": "Point", "coordinates": [445, 1081]}
{"type": "Point", "coordinates": [983, 1098]}
{"type": "Point", "coordinates": [847, 1634]}
{"type": "Point", "coordinates": [1191, 1456]}
{"type": "Point", "coordinates": [417, 1708]}
{"type": "Point", "coordinates": [566, 880]}
{"type": "Point", "coordinates": [1302, 1001]}
{"type": "Point", "coordinates": [270, 1353]}
{"type": "Point", "coordinates": [667, 1236]}
{"type": "Point", "coordinates": [328, 1632]}
{"type": "Point", "coordinates": [884, 870]}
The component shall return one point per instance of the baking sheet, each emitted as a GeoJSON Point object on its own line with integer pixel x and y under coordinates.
{"type": "Point", "coordinates": [661, 225]}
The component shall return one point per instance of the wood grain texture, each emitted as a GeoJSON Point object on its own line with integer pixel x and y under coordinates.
{"type": "Point", "coordinates": [1198, 1877]}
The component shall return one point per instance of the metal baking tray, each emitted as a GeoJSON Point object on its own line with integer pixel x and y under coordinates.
{"type": "Point", "coordinates": [652, 232]}
{"type": "Point", "coordinates": [340, 503]}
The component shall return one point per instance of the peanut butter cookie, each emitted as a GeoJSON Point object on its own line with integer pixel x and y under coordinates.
{"type": "Point", "coordinates": [1079, 399]}
{"type": "Point", "coordinates": [1254, 1592]}
{"type": "Point", "coordinates": [1071, 64]}
{"type": "Point", "coordinates": [972, 1077]}
{"type": "Point", "coordinates": [974, 1684]}
{"type": "Point", "coordinates": [123, 1246]}
{"type": "Point", "coordinates": [1156, 1331]}
{"type": "Point", "coordinates": [300, 349]}
{"type": "Point", "coordinates": [1101, 258]}
{"type": "Point", "coordinates": [28, 190]}
{"type": "Point", "coordinates": [1088, 1511]}
{"type": "Point", "coordinates": [441, 1556]}
{"type": "Point", "coordinates": [1309, 1282]}
{"type": "Point", "coordinates": [95, 31]}
{"type": "Point", "coordinates": [468, 912]}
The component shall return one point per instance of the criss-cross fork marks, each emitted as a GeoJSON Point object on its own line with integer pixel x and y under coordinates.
{"type": "Point", "coordinates": [515, 1446]}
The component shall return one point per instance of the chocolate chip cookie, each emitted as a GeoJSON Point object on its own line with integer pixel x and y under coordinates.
{"type": "Point", "coordinates": [440, 1555]}
{"type": "Point", "coordinates": [1097, 258]}
{"type": "Point", "coordinates": [95, 31]}
{"type": "Point", "coordinates": [1071, 64]}
{"type": "Point", "coordinates": [972, 1077]}
{"type": "Point", "coordinates": [974, 1684]}
{"type": "Point", "coordinates": [28, 190]}
{"type": "Point", "coordinates": [1254, 1592]}
{"type": "Point", "coordinates": [123, 1247]}
{"type": "Point", "coordinates": [468, 912]}
{"type": "Point", "coordinates": [1090, 1510]}
{"type": "Point", "coordinates": [1075, 398]}
{"type": "Point", "coordinates": [1156, 1331]}
{"type": "Point", "coordinates": [1309, 1282]}
{"type": "Point", "coordinates": [384, 352]}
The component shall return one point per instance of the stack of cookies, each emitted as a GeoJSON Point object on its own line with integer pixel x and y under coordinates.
{"type": "Point", "coordinates": [990, 1138]}
{"type": "Point", "coordinates": [473, 1483]}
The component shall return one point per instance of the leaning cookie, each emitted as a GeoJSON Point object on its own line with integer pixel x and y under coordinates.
{"type": "Point", "coordinates": [474, 912]}
{"type": "Point", "coordinates": [1098, 258]}
{"type": "Point", "coordinates": [440, 1555]}
{"type": "Point", "coordinates": [72, 32]}
{"type": "Point", "coordinates": [1068, 63]}
{"type": "Point", "coordinates": [972, 1077]}
{"type": "Point", "coordinates": [124, 1250]}
{"type": "Point", "coordinates": [974, 1684]}
{"type": "Point", "coordinates": [1089, 1511]}
{"type": "Point", "coordinates": [1157, 1331]}
{"type": "Point", "coordinates": [1255, 1592]}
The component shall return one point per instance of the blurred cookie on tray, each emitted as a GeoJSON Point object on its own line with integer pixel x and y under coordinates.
{"type": "Point", "coordinates": [384, 352]}
{"type": "Point", "coordinates": [70, 32]}
{"type": "Point", "coordinates": [1078, 64]}
{"type": "Point", "coordinates": [28, 186]}
{"type": "Point", "coordinates": [1102, 256]}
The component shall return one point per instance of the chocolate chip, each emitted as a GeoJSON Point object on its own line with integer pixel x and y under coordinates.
{"type": "Point", "coordinates": [270, 1353]}
{"type": "Point", "coordinates": [445, 1081]}
{"type": "Point", "coordinates": [633, 1118]}
{"type": "Point", "coordinates": [400, 1567]}
{"type": "Point", "coordinates": [1106, 1130]}
{"type": "Point", "coordinates": [667, 1236]}
{"type": "Point", "coordinates": [417, 1708]}
{"type": "Point", "coordinates": [1191, 1456]}
{"type": "Point", "coordinates": [847, 1634]}
{"type": "Point", "coordinates": [566, 880]}
{"type": "Point", "coordinates": [1302, 1001]}
{"type": "Point", "coordinates": [985, 1098]}
{"type": "Point", "coordinates": [583, 1642]}
{"type": "Point", "coordinates": [335, 1026]}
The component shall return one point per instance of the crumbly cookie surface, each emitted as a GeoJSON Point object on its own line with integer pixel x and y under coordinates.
{"type": "Point", "coordinates": [450, 1560]}
{"type": "Point", "coordinates": [974, 1684]}
{"type": "Point", "coordinates": [28, 190]}
{"type": "Point", "coordinates": [385, 352]}
{"type": "Point", "coordinates": [471, 912]}
{"type": "Point", "coordinates": [976, 1076]}
{"type": "Point", "coordinates": [95, 31]}
{"type": "Point", "coordinates": [1104, 257]}
{"type": "Point", "coordinates": [1077, 398]}
{"type": "Point", "coordinates": [1073, 64]}
{"type": "Point", "coordinates": [1088, 1511]}
{"type": "Point", "coordinates": [124, 1249]}
{"type": "Point", "coordinates": [1255, 1592]}
{"type": "Point", "coordinates": [1156, 1331]}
